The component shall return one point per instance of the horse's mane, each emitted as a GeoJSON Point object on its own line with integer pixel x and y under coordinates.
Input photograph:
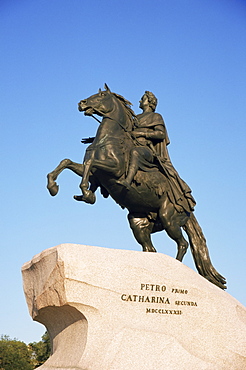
{"type": "Point", "coordinates": [126, 104]}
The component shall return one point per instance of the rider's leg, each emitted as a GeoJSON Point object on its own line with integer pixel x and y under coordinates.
{"type": "Point", "coordinates": [141, 228]}
{"type": "Point", "coordinates": [169, 218]}
{"type": "Point", "coordinates": [133, 167]}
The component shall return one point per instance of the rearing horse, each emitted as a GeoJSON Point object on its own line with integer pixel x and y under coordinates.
{"type": "Point", "coordinates": [150, 210]}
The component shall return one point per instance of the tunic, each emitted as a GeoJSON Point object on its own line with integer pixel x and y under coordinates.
{"type": "Point", "coordinates": [155, 140]}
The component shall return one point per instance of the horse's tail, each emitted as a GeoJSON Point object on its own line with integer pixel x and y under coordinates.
{"type": "Point", "coordinates": [200, 253]}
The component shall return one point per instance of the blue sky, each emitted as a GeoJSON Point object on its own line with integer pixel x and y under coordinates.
{"type": "Point", "coordinates": [190, 53]}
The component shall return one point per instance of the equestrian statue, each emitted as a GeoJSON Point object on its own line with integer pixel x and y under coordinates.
{"type": "Point", "coordinates": [128, 160]}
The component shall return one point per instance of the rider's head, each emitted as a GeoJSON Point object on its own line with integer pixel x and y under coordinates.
{"type": "Point", "coordinates": [151, 99]}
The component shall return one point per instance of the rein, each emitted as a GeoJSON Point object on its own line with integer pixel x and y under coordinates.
{"type": "Point", "coordinates": [133, 138]}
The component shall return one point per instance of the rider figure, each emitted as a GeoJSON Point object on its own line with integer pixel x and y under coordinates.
{"type": "Point", "coordinates": [150, 130]}
{"type": "Point", "coordinates": [151, 151]}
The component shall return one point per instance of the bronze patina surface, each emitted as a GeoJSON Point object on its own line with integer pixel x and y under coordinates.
{"type": "Point", "coordinates": [128, 160]}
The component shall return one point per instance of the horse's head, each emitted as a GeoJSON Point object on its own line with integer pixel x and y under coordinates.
{"type": "Point", "coordinates": [100, 103]}
{"type": "Point", "coordinates": [111, 105]}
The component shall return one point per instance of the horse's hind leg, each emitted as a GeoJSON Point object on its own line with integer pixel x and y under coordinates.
{"type": "Point", "coordinates": [169, 218]}
{"type": "Point", "coordinates": [141, 228]}
{"type": "Point", "coordinates": [77, 168]}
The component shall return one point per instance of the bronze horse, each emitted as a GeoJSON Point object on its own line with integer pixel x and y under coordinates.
{"type": "Point", "coordinates": [150, 209]}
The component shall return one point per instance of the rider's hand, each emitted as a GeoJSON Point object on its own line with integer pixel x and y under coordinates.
{"type": "Point", "coordinates": [138, 133]}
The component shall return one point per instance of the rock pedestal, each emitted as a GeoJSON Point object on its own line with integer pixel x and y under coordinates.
{"type": "Point", "coordinates": [108, 309]}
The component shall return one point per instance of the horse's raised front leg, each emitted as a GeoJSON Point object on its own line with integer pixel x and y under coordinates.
{"type": "Point", "coordinates": [112, 166]}
{"type": "Point", "coordinates": [88, 195]}
{"type": "Point", "coordinates": [141, 228]}
{"type": "Point", "coordinates": [77, 168]}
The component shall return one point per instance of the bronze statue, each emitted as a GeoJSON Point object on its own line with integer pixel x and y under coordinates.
{"type": "Point", "coordinates": [128, 160]}
{"type": "Point", "coordinates": [151, 141]}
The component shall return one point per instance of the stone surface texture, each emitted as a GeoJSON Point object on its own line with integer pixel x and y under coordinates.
{"type": "Point", "coordinates": [109, 309]}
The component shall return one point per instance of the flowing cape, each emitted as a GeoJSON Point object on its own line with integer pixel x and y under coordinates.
{"type": "Point", "coordinates": [179, 192]}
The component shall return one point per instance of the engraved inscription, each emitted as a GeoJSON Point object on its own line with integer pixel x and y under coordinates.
{"type": "Point", "coordinates": [139, 298]}
{"type": "Point", "coordinates": [186, 303]}
{"type": "Point", "coordinates": [180, 291]}
{"type": "Point", "coordinates": [156, 298]}
{"type": "Point", "coordinates": [163, 312]}
{"type": "Point", "coordinates": [153, 287]}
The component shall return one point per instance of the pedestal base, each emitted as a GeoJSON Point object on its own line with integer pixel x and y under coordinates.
{"type": "Point", "coordinates": [108, 309]}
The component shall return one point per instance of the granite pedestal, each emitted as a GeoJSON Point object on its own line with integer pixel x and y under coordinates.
{"type": "Point", "coordinates": [109, 309]}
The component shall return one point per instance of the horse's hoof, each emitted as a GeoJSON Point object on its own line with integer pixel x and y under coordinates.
{"type": "Point", "coordinates": [53, 190]}
{"type": "Point", "coordinates": [89, 198]}
{"type": "Point", "coordinates": [150, 250]}
{"type": "Point", "coordinates": [79, 198]}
